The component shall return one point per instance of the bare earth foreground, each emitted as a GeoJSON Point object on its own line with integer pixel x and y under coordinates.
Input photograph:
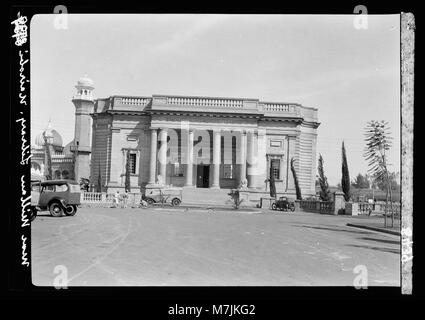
{"type": "Point", "coordinates": [196, 247]}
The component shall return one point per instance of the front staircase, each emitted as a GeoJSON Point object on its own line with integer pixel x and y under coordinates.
{"type": "Point", "coordinates": [206, 197]}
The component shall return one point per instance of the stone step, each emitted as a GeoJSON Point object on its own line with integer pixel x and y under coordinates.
{"type": "Point", "coordinates": [206, 196]}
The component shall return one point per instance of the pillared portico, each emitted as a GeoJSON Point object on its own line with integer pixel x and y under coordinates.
{"type": "Point", "coordinates": [203, 142]}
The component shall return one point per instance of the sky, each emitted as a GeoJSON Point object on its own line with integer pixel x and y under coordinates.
{"type": "Point", "coordinates": [351, 75]}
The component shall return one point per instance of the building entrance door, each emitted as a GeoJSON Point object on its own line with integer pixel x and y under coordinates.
{"type": "Point", "coordinates": [202, 176]}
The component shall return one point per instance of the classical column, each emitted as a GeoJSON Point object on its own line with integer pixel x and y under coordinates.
{"type": "Point", "coordinates": [152, 164]}
{"type": "Point", "coordinates": [162, 154]}
{"type": "Point", "coordinates": [216, 159]}
{"type": "Point", "coordinates": [242, 174]}
{"type": "Point", "coordinates": [189, 160]}
{"type": "Point", "coordinates": [251, 159]}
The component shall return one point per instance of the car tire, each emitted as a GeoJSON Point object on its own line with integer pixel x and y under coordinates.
{"type": "Point", "coordinates": [150, 201]}
{"type": "Point", "coordinates": [175, 202]}
{"type": "Point", "coordinates": [33, 214]}
{"type": "Point", "coordinates": [71, 210]}
{"type": "Point", "coordinates": [56, 209]}
{"type": "Point", "coordinates": [274, 207]}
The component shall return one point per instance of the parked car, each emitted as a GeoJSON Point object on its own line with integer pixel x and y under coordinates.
{"type": "Point", "coordinates": [283, 204]}
{"type": "Point", "coordinates": [174, 195]}
{"type": "Point", "coordinates": [59, 197]}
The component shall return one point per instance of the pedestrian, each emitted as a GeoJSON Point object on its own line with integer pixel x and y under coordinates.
{"type": "Point", "coordinates": [116, 199]}
{"type": "Point", "coordinates": [125, 199]}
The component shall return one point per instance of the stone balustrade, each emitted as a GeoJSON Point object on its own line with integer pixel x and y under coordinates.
{"type": "Point", "coordinates": [205, 102]}
{"type": "Point", "coordinates": [106, 199]}
{"type": "Point", "coordinates": [232, 105]}
{"type": "Point", "coordinates": [134, 101]}
{"type": "Point", "coordinates": [89, 197]}
{"type": "Point", "coordinates": [325, 207]}
{"type": "Point", "coordinates": [278, 107]}
{"type": "Point", "coordinates": [379, 207]}
{"type": "Point", "coordinates": [130, 103]}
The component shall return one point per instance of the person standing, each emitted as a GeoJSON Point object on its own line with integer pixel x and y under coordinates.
{"type": "Point", "coordinates": [116, 199]}
{"type": "Point", "coordinates": [125, 199]}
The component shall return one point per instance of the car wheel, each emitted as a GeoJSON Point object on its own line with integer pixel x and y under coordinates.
{"type": "Point", "coordinates": [149, 201]}
{"type": "Point", "coordinates": [71, 210]}
{"type": "Point", "coordinates": [33, 214]}
{"type": "Point", "coordinates": [56, 209]}
{"type": "Point", "coordinates": [175, 202]}
{"type": "Point", "coordinates": [274, 207]}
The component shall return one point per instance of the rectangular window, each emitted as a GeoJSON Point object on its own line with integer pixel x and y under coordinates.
{"type": "Point", "coordinates": [275, 143]}
{"type": "Point", "coordinates": [178, 170]}
{"type": "Point", "coordinates": [228, 171]}
{"type": "Point", "coordinates": [133, 157]}
{"type": "Point", "coordinates": [275, 165]}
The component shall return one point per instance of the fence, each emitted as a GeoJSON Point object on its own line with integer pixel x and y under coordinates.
{"type": "Point", "coordinates": [379, 207]}
{"type": "Point", "coordinates": [90, 197]}
{"type": "Point", "coordinates": [102, 198]}
{"type": "Point", "coordinates": [326, 207]}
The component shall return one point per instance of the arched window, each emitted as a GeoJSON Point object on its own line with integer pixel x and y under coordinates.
{"type": "Point", "coordinates": [35, 166]}
{"type": "Point", "coordinates": [65, 174]}
{"type": "Point", "coordinates": [57, 174]}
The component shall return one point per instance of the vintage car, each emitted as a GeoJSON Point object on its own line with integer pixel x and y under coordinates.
{"type": "Point", "coordinates": [59, 197]}
{"type": "Point", "coordinates": [283, 204]}
{"type": "Point", "coordinates": [173, 195]}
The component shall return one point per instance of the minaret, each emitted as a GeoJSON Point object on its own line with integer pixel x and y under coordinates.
{"type": "Point", "coordinates": [84, 105]}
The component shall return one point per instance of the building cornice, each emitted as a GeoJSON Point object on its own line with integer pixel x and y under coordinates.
{"type": "Point", "coordinates": [209, 107]}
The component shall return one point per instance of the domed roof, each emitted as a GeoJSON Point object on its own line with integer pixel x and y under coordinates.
{"type": "Point", "coordinates": [54, 137]}
{"type": "Point", "coordinates": [85, 81]}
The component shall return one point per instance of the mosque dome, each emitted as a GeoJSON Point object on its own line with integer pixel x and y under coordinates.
{"type": "Point", "coordinates": [54, 137]}
{"type": "Point", "coordinates": [85, 82]}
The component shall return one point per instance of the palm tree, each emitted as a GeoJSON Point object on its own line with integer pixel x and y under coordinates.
{"type": "Point", "coordinates": [378, 142]}
{"type": "Point", "coordinates": [127, 172]}
{"type": "Point", "coordinates": [294, 174]}
{"type": "Point", "coordinates": [272, 184]}
{"type": "Point", "coordinates": [99, 180]}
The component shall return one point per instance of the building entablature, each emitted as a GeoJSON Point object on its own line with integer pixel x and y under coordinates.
{"type": "Point", "coordinates": [206, 106]}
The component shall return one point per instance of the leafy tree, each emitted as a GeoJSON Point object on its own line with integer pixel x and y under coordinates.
{"type": "Point", "coordinates": [395, 186]}
{"type": "Point", "coordinates": [361, 182]}
{"type": "Point", "coordinates": [84, 184]}
{"type": "Point", "coordinates": [345, 180]}
{"type": "Point", "coordinates": [296, 183]}
{"type": "Point", "coordinates": [323, 181]}
{"type": "Point", "coordinates": [378, 142]}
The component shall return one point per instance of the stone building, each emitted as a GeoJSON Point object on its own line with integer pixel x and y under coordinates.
{"type": "Point", "coordinates": [193, 142]}
{"type": "Point", "coordinates": [62, 157]}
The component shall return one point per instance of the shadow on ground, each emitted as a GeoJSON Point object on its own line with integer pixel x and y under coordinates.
{"type": "Point", "coordinates": [389, 250]}
{"type": "Point", "coordinates": [333, 229]}
{"type": "Point", "coordinates": [381, 240]}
